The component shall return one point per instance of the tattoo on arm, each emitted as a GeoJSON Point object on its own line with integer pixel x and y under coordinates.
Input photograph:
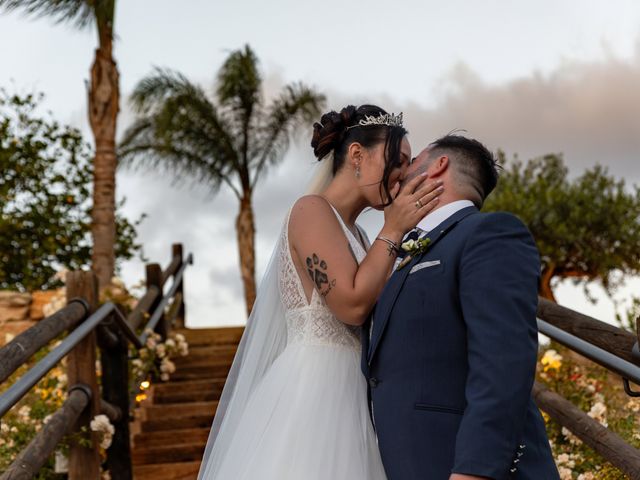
{"type": "Point", "coordinates": [317, 271]}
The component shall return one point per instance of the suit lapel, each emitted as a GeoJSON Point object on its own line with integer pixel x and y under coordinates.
{"type": "Point", "coordinates": [394, 285]}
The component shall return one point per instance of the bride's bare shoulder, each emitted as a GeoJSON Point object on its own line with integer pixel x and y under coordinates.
{"type": "Point", "coordinates": [310, 206]}
{"type": "Point", "coordinates": [310, 212]}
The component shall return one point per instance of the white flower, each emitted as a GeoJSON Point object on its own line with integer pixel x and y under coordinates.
{"type": "Point", "coordinates": [570, 436]}
{"type": "Point", "coordinates": [586, 476]}
{"type": "Point", "coordinates": [598, 412]}
{"type": "Point", "coordinates": [101, 423]}
{"type": "Point", "coordinates": [150, 343]}
{"type": "Point", "coordinates": [117, 282]}
{"type": "Point", "coordinates": [164, 377]}
{"type": "Point", "coordinates": [161, 350]}
{"type": "Point", "coordinates": [180, 337]}
{"type": "Point", "coordinates": [170, 343]}
{"type": "Point", "coordinates": [167, 366]}
{"type": "Point", "coordinates": [24, 411]}
{"type": "Point", "coordinates": [409, 245]}
{"type": "Point", "coordinates": [106, 441]}
{"type": "Point", "coordinates": [565, 473]}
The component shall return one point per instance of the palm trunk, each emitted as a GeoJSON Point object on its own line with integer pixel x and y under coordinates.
{"type": "Point", "coordinates": [104, 97]}
{"type": "Point", "coordinates": [245, 229]}
{"type": "Point", "coordinates": [545, 284]}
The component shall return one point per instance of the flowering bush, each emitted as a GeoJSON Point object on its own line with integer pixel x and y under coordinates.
{"type": "Point", "coordinates": [118, 293]}
{"type": "Point", "coordinates": [26, 418]}
{"type": "Point", "coordinates": [153, 361]}
{"type": "Point", "coordinates": [599, 394]}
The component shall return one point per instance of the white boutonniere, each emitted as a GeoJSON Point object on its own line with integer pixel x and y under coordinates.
{"type": "Point", "coordinates": [413, 248]}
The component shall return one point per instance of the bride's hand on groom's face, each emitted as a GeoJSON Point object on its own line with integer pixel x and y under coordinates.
{"type": "Point", "coordinates": [411, 203]}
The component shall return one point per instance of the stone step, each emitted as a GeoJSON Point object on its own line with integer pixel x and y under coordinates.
{"type": "Point", "coordinates": [167, 471]}
{"type": "Point", "coordinates": [211, 336]}
{"type": "Point", "coordinates": [171, 437]}
{"type": "Point", "coordinates": [168, 453]}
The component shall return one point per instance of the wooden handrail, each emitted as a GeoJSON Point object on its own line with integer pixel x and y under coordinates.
{"type": "Point", "coordinates": [23, 346]}
{"type": "Point", "coordinates": [142, 308]}
{"type": "Point", "coordinates": [114, 331]}
{"type": "Point", "coordinates": [607, 337]}
{"type": "Point", "coordinates": [171, 269]}
{"type": "Point", "coordinates": [35, 455]}
{"type": "Point", "coordinates": [610, 445]}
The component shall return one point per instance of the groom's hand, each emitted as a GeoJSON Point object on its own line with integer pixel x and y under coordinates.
{"type": "Point", "coordinates": [460, 476]}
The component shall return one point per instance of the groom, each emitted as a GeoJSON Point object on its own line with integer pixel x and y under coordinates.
{"type": "Point", "coordinates": [450, 350]}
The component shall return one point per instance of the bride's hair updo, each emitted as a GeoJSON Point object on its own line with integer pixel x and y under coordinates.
{"type": "Point", "coordinates": [332, 134]}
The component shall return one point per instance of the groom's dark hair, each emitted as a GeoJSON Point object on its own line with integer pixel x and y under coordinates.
{"type": "Point", "coordinates": [471, 159]}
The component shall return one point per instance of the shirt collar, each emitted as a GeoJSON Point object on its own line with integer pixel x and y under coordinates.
{"type": "Point", "coordinates": [439, 215]}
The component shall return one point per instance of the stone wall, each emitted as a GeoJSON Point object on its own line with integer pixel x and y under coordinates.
{"type": "Point", "coordinates": [19, 311]}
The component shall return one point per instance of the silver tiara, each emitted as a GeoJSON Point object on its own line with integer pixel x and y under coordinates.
{"type": "Point", "coordinates": [387, 119]}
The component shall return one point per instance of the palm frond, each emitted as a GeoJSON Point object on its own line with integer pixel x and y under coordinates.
{"type": "Point", "coordinates": [142, 149]}
{"type": "Point", "coordinates": [172, 99]}
{"type": "Point", "coordinates": [179, 126]}
{"type": "Point", "coordinates": [297, 105]}
{"type": "Point", "coordinates": [239, 81]}
{"type": "Point", "coordinates": [81, 13]}
{"type": "Point", "coordinates": [239, 87]}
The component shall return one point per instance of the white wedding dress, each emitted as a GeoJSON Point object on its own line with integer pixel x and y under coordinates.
{"type": "Point", "coordinates": [307, 416]}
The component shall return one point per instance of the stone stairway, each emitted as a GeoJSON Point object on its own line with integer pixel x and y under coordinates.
{"type": "Point", "coordinates": [172, 425]}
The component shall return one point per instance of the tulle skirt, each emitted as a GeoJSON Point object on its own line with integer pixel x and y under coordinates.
{"type": "Point", "coordinates": [307, 420]}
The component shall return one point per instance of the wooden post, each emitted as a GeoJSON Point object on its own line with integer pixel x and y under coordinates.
{"type": "Point", "coordinates": [176, 250]}
{"type": "Point", "coordinates": [154, 279]}
{"type": "Point", "coordinates": [84, 463]}
{"type": "Point", "coordinates": [115, 390]}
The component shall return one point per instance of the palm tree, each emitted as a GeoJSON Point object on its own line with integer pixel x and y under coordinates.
{"type": "Point", "coordinates": [230, 140]}
{"type": "Point", "coordinates": [104, 97]}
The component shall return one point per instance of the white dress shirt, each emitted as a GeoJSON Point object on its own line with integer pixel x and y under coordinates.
{"type": "Point", "coordinates": [439, 215]}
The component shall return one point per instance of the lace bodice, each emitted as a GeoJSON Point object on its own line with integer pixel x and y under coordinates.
{"type": "Point", "coordinates": [312, 322]}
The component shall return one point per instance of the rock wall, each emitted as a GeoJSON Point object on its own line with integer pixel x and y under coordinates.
{"type": "Point", "coordinates": [19, 311]}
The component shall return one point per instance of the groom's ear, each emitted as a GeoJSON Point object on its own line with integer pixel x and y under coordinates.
{"type": "Point", "coordinates": [438, 166]}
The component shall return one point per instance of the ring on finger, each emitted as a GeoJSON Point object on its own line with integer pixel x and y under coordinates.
{"type": "Point", "coordinates": [419, 204]}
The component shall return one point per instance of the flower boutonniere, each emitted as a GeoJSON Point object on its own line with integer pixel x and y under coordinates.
{"type": "Point", "coordinates": [413, 248]}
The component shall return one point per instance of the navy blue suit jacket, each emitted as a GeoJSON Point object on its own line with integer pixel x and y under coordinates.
{"type": "Point", "coordinates": [452, 356]}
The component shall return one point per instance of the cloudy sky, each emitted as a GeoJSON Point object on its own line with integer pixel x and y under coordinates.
{"type": "Point", "coordinates": [530, 77]}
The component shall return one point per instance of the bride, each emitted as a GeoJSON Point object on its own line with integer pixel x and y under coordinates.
{"type": "Point", "coordinates": [295, 402]}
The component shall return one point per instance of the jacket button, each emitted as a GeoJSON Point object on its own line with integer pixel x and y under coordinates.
{"type": "Point", "coordinates": [373, 382]}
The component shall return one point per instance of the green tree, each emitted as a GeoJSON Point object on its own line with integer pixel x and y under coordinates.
{"type": "Point", "coordinates": [45, 190]}
{"type": "Point", "coordinates": [230, 140]}
{"type": "Point", "coordinates": [586, 228]}
{"type": "Point", "coordinates": [104, 98]}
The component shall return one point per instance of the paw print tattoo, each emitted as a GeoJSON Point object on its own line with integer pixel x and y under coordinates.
{"type": "Point", "coordinates": [317, 271]}
{"type": "Point", "coordinates": [315, 267]}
